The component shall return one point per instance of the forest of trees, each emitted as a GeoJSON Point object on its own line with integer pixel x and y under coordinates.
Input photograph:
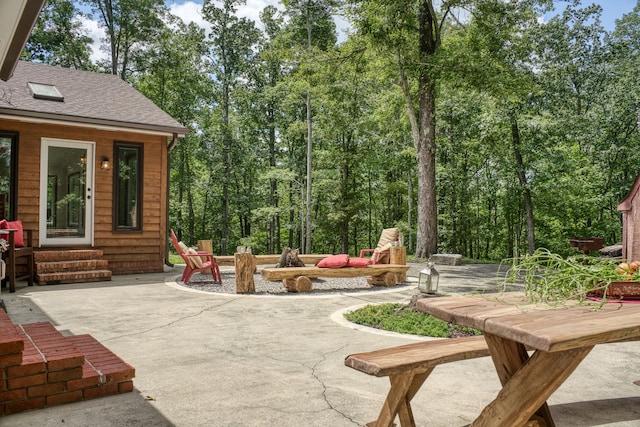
{"type": "Point", "coordinates": [474, 126]}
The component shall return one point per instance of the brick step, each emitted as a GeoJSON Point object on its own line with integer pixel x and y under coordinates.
{"type": "Point", "coordinates": [65, 266]}
{"type": "Point", "coordinates": [102, 367]}
{"type": "Point", "coordinates": [11, 343]}
{"type": "Point", "coordinates": [71, 266]}
{"type": "Point", "coordinates": [58, 352]}
{"type": "Point", "coordinates": [54, 369]}
{"type": "Point", "coordinates": [67, 255]}
{"type": "Point", "coordinates": [73, 277]}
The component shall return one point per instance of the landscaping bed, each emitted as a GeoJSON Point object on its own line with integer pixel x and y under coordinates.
{"type": "Point", "coordinates": [320, 286]}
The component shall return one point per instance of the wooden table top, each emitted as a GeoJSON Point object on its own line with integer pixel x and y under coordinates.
{"type": "Point", "coordinates": [541, 327]}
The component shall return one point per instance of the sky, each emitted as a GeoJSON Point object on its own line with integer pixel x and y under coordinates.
{"type": "Point", "coordinates": [611, 10]}
{"type": "Point", "coordinates": [189, 10]}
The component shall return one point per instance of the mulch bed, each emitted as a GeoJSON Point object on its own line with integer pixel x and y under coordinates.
{"type": "Point", "coordinates": [320, 286]}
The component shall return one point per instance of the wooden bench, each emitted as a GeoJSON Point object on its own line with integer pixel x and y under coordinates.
{"type": "Point", "coordinates": [298, 279]}
{"type": "Point", "coordinates": [408, 366]}
{"type": "Point", "coordinates": [229, 260]}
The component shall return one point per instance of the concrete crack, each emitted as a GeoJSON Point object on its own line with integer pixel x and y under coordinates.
{"type": "Point", "coordinates": [190, 316]}
{"type": "Point", "coordinates": [324, 386]}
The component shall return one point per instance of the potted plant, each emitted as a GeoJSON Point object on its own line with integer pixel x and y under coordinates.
{"type": "Point", "coordinates": [551, 278]}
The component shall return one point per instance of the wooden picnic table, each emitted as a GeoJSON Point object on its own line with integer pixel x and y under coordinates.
{"type": "Point", "coordinates": [560, 338]}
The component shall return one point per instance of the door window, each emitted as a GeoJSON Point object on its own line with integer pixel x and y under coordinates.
{"type": "Point", "coordinates": [8, 157]}
{"type": "Point", "coordinates": [127, 187]}
{"type": "Point", "coordinates": [66, 217]}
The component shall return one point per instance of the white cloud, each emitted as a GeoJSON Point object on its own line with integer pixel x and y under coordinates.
{"type": "Point", "coordinates": [96, 32]}
{"type": "Point", "coordinates": [191, 11]}
{"type": "Point", "coordinates": [253, 8]}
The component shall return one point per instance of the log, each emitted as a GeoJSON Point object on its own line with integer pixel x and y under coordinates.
{"type": "Point", "coordinates": [289, 284]}
{"type": "Point", "coordinates": [398, 255]}
{"type": "Point", "coordinates": [277, 274]}
{"type": "Point", "coordinates": [244, 273]}
{"type": "Point", "coordinates": [387, 279]}
{"type": "Point", "coordinates": [303, 284]}
{"type": "Point", "coordinates": [299, 284]}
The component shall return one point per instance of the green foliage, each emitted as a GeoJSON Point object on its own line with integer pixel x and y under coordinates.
{"type": "Point", "coordinates": [175, 259]}
{"type": "Point", "coordinates": [129, 25]}
{"type": "Point", "coordinates": [551, 278]}
{"type": "Point", "coordinates": [58, 37]}
{"type": "Point", "coordinates": [400, 318]}
{"type": "Point", "coordinates": [240, 176]}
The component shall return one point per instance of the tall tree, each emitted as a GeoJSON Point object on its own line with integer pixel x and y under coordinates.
{"type": "Point", "coordinates": [231, 44]}
{"type": "Point", "coordinates": [129, 24]}
{"type": "Point", "coordinates": [58, 37]}
{"type": "Point", "coordinates": [411, 31]}
{"type": "Point", "coordinates": [269, 75]}
{"type": "Point", "coordinates": [172, 74]}
{"type": "Point", "coordinates": [311, 26]}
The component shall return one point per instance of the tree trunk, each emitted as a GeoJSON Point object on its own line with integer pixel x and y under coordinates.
{"type": "Point", "coordinates": [292, 218]}
{"type": "Point", "coordinates": [522, 179]}
{"type": "Point", "coordinates": [226, 166]}
{"type": "Point", "coordinates": [307, 245]}
{"type": "Point", "coordinates": [274, 238]}
{"type": "Point", "coordinates": [423, 131]}
{"type": "Point", "coordinates": [409, 243]}
{"type": "Point", "coordinates": [181, 186]}
{"type": "Point", "coordinates": [191, 216]}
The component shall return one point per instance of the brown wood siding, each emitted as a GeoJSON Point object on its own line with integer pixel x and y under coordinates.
{"type": "Point", "coordinates": [633, 232]}
{"type": "Point", "coordinates": [127, 252]}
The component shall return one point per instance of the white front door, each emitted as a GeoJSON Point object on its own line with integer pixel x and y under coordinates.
{"type": "Point", "coordinates": [66, 192]}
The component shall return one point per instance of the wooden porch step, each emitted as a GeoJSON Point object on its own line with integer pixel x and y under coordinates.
{"type": "Point", "coordinates": [67, 255]}
{"type": "Point", "coordinates": [73, 277]}
{"type": "Point", "coordinates": [65, 266]}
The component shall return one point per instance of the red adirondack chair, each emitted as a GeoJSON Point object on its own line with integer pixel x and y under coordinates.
{"type": "Point", "coordinates": [196, 261]}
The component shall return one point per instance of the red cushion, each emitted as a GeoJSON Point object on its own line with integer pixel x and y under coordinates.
{"type": "Point", "coordinates": [334, 261]}
{"type": "Point", "coordinates": [16, 225]}
{"type": "Point", "coordinates": [358, 262]}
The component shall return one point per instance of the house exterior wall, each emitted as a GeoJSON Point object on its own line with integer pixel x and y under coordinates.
{"type": "Point", "coordinates": [627, 234]}
{"type": "Point", "coordinates": [633, 232]}
{"type": "Point", "coordinates": [127, 252]}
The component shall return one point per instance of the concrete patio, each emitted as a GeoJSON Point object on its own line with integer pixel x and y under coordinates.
{"type": "Point", "coordinates": [204, 359]}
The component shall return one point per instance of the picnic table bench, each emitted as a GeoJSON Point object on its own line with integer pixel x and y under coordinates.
{"type": "Point", "coordinates": [298, 279]}
{"type": "Point", "coordinates": [408, 366]}
{"type": "Point", "coordinates": [534, 347]}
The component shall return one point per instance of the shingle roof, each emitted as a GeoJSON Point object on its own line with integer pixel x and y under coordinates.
{"type": "Point", "coordinates": [93, 98]}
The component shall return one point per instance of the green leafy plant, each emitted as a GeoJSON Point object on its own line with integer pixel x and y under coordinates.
{"type": "Point", "coordinates": [549, 277]}
{"type": "Point", "coordinates": [403, 319]}
{"type": "Point", "coordinates": [175, 259]}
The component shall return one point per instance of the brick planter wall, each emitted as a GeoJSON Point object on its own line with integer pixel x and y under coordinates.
{"type": "Point", "coordinates": [40, 367]}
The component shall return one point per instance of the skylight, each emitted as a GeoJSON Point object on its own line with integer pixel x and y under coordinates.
{"type": "Point", "coordinates": [45, 91]}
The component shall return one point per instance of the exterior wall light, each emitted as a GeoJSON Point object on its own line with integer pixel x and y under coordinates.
{"type": "Point", "coordinates": [105, 164]}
